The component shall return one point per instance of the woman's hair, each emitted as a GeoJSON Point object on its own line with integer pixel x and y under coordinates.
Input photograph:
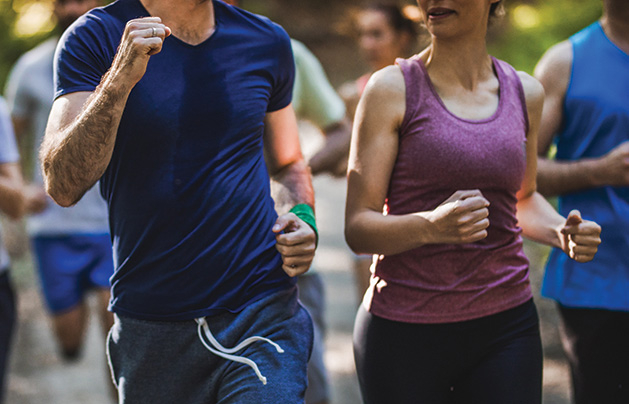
{"type": "Point", "coordinates": [396, 17]}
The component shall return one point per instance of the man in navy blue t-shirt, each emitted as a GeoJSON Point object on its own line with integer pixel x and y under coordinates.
{"type": "Point", "coordinates": [176, 119]}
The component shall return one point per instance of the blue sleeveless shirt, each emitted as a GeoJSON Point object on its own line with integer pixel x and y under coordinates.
{"type": "Point", "coordinates": [596, 111]}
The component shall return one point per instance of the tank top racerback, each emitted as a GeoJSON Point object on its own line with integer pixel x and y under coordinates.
{"type": "Point", "coordinates": [438, 154]}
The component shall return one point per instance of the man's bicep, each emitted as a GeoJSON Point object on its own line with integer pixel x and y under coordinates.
{"type": "Point", "coordinates": [281, 139]}
{"type": "Point", "coordinates": [65, 110]}
{"type": "Point", "coordinates": [553, 71]}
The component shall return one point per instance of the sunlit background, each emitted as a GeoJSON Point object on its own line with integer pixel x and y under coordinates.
{"type": "Point", "coordinates": [529, 27]}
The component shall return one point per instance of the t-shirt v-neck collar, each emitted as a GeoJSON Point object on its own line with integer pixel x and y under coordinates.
{"type": "Point", "coordinates": [144, 13]}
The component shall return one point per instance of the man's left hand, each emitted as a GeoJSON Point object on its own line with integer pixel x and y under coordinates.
{"type": "Point", "coordinates": [296, 242]}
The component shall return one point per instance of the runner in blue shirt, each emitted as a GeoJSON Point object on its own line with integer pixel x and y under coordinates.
{"type": "Point", "coordinates": [586, 111]}
{"type": "Point", "coordinates": [176, 119]}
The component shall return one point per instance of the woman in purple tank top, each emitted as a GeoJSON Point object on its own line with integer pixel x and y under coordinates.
{"type": "Point", "coordinates": [441, 188]}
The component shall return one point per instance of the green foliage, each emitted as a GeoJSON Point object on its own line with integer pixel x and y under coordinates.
{"type": "Point", "coordinates": [11, 45]}
{"type": "Point", "coordinates": [557, 21]}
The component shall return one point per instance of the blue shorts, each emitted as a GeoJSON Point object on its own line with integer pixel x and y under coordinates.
{"type": "Point", "coordinates": [71, 265]}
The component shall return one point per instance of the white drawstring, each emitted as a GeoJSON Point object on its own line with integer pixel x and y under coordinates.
{"type": "Point", "coordinates": [223, 352]}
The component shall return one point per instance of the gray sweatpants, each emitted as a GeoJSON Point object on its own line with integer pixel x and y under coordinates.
{"type": "Point", "coordinates": [157, 362]}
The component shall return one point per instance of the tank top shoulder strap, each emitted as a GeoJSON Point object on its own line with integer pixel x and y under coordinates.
{"type": "Point", "coordinates": [597, 61]}
{"type": "Point", "coordinates": [585, 47]}
{"type": "Point", "coordinates": [591, 36]}
{"type": "Point", "coordinates": [416, 85]}
{"type": "Point", "coordinates": [511, 88]}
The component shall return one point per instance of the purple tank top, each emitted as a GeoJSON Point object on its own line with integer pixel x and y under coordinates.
{"type": "Point", "coordinates": [439, 154]}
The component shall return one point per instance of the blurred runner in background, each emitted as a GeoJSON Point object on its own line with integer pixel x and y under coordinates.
{"type": "Point", "coordinates": [72, 246]}
{"type": "Point", "coordinates": [586, 112]}
{"type": "Point", "coordinates": [12, 204]}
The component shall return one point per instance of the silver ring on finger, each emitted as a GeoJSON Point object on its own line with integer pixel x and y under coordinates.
{"type": "Point", "coordinates": [154, 33]}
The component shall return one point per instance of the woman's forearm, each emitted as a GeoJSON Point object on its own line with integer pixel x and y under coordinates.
{"type": "Point", "coordinates": [539, 220]}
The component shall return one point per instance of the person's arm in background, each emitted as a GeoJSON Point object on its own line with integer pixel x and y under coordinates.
{"type": "Point", "coordinates": [290, 186]}
{"type": "Point", "coordinates": [350, 95]}
{"type": "Point", "coordinates": [538, 219]}
{"type": "Point", "coordinates": [318, 103]}
{"type": "Point", "coordinates": [332, 157]}
{"type": "Point", "coordinates": [11, 197]}
{"type": "Point", "coordinates": [20, 100]}
{"type": "Point", "coordinates": [560, 177]}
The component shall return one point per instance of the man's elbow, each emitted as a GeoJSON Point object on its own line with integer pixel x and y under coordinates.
{"type": "Point", "coordinates": [288, 167]}
{"type": "Point", "coordinates": [62, 200]}
{"type": "Point", "coordinates": [56, 187]}
{"type": "Point", "coordinates": [61, 197]}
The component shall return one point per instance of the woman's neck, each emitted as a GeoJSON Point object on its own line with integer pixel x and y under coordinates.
{"type": "Point", "coordinates": [464, 63]}
{"type": "Point", "coordinates": [192, 21]}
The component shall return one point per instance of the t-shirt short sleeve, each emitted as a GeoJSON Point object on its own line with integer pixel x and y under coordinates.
{"type": "Point", "coordinates": [8, 147]}
{"type": "Point", "coordinates": [314, 98]}
{"type": "Point", "coordinates": [282, 92]}
{"type": "Point", "coordinates": [83, 55]}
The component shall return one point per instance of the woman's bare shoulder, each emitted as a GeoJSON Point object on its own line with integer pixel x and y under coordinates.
{"type": "Point", "coordinates": [533, 90]}
{"type": "Point", "coordinates": [387, 82]}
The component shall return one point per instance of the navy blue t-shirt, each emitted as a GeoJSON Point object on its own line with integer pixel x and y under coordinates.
{"type": "Point", "coordinates": [187, 186]}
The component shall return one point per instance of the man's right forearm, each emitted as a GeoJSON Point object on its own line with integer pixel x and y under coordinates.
{"type": "Point", "coordinates": [561, 177]}
{"type": "Point", "coordinates": [74, 156]}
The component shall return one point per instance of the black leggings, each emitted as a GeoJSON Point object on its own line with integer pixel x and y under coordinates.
{"type": "Point", "coordinates": [494, 359]}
